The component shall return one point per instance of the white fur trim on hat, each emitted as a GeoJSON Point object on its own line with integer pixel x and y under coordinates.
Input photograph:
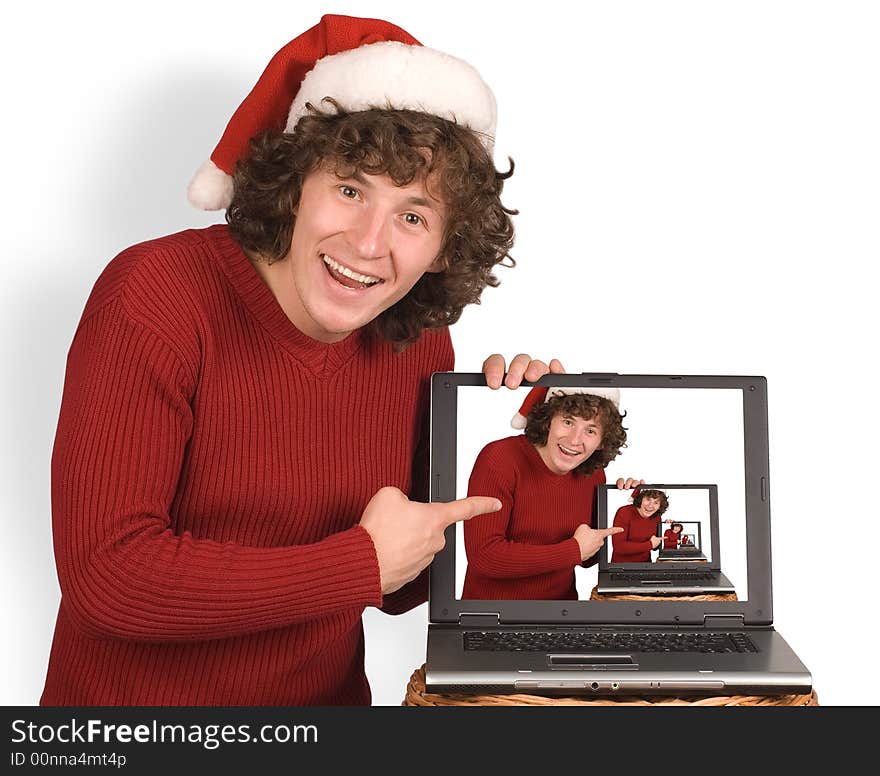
{"type": "Point", "coordinates": [397, 76]}
{"type": "Point", "coordinates": [210, 188]}
{"type": "Point", "coordinates": [612, 394]}
{"type": "Point", "coordinates": [519, 421]}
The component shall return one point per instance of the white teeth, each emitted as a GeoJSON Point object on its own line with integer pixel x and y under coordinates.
{"type": "Point", "coordinates": [568, 450]}
{"type": "Point", "coordinates": [367, 280]}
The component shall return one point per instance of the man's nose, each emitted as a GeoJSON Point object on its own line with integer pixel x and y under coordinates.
{"type": "Point", "coordinates": [577, 437]}
{"type": "Point", "coordinates": [371, 233]}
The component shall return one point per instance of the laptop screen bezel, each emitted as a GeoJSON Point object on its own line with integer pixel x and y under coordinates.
{"type": "Point", "coordinates": [602, 521]}
{"type": "Point", "coordinates": [444, 607]}
{"type": "Point", "coordinates": [699, 544]}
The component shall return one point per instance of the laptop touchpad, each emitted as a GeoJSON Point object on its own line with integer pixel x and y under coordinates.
{"type": "Point", "coordinates": [589, 660]}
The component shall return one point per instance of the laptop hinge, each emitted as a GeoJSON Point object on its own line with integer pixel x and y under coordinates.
{"type": "Point", "coordinates": [478, 620]}
{"type": "Point", "coordinates": [723, 621]}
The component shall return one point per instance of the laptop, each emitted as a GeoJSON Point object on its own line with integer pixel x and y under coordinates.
{"type": "Point", "coordinates": [679, 429]}
{"type": "Point", "coordinates": [687, 558]}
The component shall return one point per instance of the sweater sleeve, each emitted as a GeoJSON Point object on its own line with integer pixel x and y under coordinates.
{"type": "Point", "coordinates": [489, 552]}
{"type": "Point", "coordinates": [122, 433]}
{"type": "Point", "coordinates": [416, 592]}
{"type": "Point", "coordinates": [621, 541]}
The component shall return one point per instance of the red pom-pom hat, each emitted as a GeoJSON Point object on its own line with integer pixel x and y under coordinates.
{"type": "Point", "coordinates": [361, 64]}
{"type": "Point", "coordinates": [539, 394]}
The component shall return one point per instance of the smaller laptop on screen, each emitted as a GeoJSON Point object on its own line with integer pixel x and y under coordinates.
{"type": "Point", "coordinates": [687, 556]}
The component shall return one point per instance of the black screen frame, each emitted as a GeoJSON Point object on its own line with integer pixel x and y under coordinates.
{"type": "Point", "coordinates": [602, 517]}
{"type": "Point", "coordinates": [757, 610]}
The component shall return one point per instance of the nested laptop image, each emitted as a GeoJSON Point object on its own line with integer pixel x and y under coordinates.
{"type": "Point", "coordinates": [669, 544]}
{"type": "Point", "coordinates": [654, 479]}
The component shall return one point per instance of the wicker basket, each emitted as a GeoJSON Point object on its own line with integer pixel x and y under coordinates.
{"type": "Point", "coordinates": [416, 696]}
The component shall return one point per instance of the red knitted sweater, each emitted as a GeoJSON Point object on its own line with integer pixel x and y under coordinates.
{"type": "Point", "coordinates": [634, 544]}
{"type": "Point", "coordinates": [525, 551]}
{"type": "Point", "coordinates": [210, 467]}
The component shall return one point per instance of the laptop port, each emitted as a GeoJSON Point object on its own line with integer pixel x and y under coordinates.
{"type": "Point", "coordinates": [594, 686]}
{"type": "Point", "coordinates": [615, 686]}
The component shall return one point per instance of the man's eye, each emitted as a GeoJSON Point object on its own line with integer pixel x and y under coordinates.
{"type": "Point", "coordinates": [413, 219]}
{"type": "Point", "coordinates": [349, 191]}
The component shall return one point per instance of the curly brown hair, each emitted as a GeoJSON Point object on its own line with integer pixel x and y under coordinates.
{"type": "Point", "coordinates": [586, 406]}
{"type": "Point", "coordinates": [406, 146]}
{"type": "Point", "coordinates": [652, 493]}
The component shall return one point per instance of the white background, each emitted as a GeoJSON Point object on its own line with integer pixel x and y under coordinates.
{"type": "Point", "coordinates": [698, 187]}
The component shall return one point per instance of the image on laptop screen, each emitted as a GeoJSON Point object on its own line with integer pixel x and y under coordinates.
{"type": "Point", "coordinates": [681, 518]}
{"type": "Point", "coordinates": [547, 463]}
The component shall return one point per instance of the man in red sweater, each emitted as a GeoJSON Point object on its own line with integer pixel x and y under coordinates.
{"type": "Point", "coordinates": [638, 522]}
{"type": "Point", "coordinates": [672, 536]}
{"type": "Point", "coordinates": [546, 480]}
{"type": "Point", "coordinates": [241, 445]}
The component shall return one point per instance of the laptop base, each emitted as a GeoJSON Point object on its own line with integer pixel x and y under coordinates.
{"type": "Point", "coordinates": [773, 670]}
{"type": "Point", "coordinates": [655, 584]}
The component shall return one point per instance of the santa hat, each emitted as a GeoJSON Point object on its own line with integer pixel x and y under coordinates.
{"type": "Point", "coordinates": [539, 394]}
{"type": "Point", "coordinates": [361, 64]}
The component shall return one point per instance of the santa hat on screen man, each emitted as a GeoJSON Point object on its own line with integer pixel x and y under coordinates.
{"type": "Point", "coordinates": [360, 63]}
{"type": "Point", "coordinates": [540, 394]}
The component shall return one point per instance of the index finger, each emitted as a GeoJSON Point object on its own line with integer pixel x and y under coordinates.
{"type": "Point", "coordinates": [493, 368]}
{"type": "Point", "coordinates": [465, 508]}
{"type": "Point", "coordinates": [606, 532]}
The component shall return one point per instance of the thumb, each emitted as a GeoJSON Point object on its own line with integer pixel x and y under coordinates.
{"type": "Point", "coordinates": [466, 508]}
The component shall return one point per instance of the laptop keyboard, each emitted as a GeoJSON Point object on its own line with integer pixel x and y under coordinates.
{"type": "Point", "coordinates": [607, 641]}
{"type": "Point", "coordinates": [667, 576]}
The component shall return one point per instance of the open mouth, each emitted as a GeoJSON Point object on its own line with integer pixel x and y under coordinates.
{"type": "Point", "coordinates": [567, 451]}
{"type": "Point", "coordinates": [348, 277]}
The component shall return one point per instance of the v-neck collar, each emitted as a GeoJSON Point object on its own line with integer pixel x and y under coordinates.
{"type": "Point", "coordinates": [321, 358]}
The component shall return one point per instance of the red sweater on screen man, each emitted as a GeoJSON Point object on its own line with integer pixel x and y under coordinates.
{"type": "Point", "coordinates": [210, 467]}
{"type": "Point", "coordinates": [634, 544]}
{"type": "Point", "coordinates": [526, 550]}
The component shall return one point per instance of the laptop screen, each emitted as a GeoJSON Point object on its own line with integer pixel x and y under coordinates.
{"type": "Point", "coordinates": [684, 519]}
{"type": "Point", "coordinates": [682, 435]}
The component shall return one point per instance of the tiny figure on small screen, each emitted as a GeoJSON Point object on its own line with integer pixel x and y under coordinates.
{"type": "Point", "coordinates": [672, 536]}
{"type": "Point", "coordinates": [639, 521]}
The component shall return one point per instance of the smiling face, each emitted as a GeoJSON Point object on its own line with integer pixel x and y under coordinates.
{"type": "Point", "coordinates": [268, 205]}
{"type": "Point", "coordinates": [570, 441]}
{"type": "Point", "coordinates": [359, 245]}
{"type": "Point", "coordinates": [649, 506]}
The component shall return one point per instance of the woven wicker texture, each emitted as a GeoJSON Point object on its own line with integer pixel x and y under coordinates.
{"type": "Point", "coordinates": [594, 596]}
{"type": "Point", "coordinates": [416, 696]}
